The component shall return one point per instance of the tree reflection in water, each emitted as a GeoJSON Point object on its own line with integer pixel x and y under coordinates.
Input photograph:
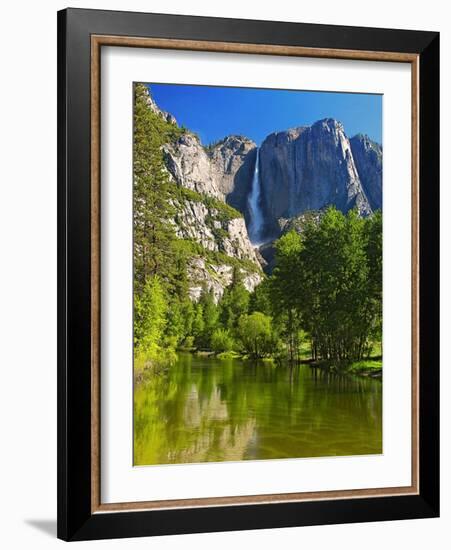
{"type": "Point", "coordinates": [210, 410]}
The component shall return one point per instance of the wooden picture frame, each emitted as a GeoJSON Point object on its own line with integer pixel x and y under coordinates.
{"type": "Point", "coordinates": [81, 35]}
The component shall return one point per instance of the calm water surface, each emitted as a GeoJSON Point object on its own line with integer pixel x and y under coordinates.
{"type": "Point", "coordinates": [208, 410]}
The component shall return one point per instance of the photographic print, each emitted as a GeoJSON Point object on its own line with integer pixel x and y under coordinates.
{"type": "Point", "coordinates": [257, 226]}
{"type": "Point", "coordinates": [229, 354]}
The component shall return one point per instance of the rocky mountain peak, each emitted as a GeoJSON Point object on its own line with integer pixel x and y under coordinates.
{"type": "Point", "coordinates": [328, 124]}
{"type": "Point", "coordinates": [331, 129]}
{"type": "Point", "coordinates": [283, 138]}
{"type": "Point", "coordinates": [309, 168]}
{"type": "Point", "coordinates": [235, 143]}
{"type": "Point", "coordinates": [154, 107]}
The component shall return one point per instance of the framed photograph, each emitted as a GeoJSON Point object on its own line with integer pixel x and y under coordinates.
{"type": "Point", "coordinates": [248, 274]}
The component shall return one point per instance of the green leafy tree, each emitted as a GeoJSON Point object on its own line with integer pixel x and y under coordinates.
{"type": "Point", "coordinates": [255, 334]}
{"type": "Point", "coordinates": [373, 313]}
{"type": "Point", "coordinates": [336, 287]}
{"type": "Point", "coordinates": [260, 299]}
{"type": "Point", "coordinates": [327, 283]}
{"type": "Point", "coordinates": [180, 321]}
{"type": "Point", "coordinates": [198, 325]}
{"type": "Point", "coordinates": [287, 290]}
{"type": "Point", "coordinates": [221, 340]}
{"type": "Point", "coordinates": [235, 301]}
{"type": "Point", "coordinates": [210, 318]}
{"type": "Point", "coordinates": [150, 315]}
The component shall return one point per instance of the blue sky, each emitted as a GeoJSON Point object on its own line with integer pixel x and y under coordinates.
{"type": "Point", "coordinates": [215, 112]}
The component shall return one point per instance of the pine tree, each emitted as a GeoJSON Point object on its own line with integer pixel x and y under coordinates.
{"type": "Point", "coordinates": [153, 236]}
{"type": "Point", "coordinates": [235, 301]}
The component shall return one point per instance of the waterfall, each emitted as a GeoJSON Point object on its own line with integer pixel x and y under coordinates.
{"type": "Point", "coordinates": [255, 212]}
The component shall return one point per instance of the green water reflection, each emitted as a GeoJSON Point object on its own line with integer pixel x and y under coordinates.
{"type": "Point", "coordinates": [208, 410]}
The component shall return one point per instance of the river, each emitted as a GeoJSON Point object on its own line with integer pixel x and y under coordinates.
{"type": "Point", "coordinates": [209, 410]}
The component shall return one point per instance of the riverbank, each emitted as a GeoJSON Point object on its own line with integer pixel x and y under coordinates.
{"type": "Point", "coordinates": [370, 368]}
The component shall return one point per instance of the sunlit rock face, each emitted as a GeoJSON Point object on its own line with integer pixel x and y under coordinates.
{"type": "Point", "coordinates": [368, 160]}
{"type": "Point", "coordinates": [203, 224]}
{"type": "Point", "coordinates": [212, 173]}
{"type": "Point", "coordinates": [190, 166]}
{"type": "Point", "coordinates": [214, 278]}
{"type": "Point", "coordinates": [223, 171]}
{"type": "Point", "coordinates": [233, 160]}
{"type": "Point", "coordinates": [309, 168]}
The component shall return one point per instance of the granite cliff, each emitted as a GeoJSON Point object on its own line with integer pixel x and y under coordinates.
{"type": "Point", "coordinates": [301, 170]}
{"type": "Point", "coordinates": [368, 161]}
{"type": "Point", "coordinates": [203, 199]}
{"type": "Point", "coordinates": [307, 169]}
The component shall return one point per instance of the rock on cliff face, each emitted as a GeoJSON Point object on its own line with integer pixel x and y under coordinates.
{"type": "Point", "coordinates": [154, 107]}
{"type": "Point", "coordinates": [309, 168]}
{"type": "Point", "coordinates": [224, 237]}
{"type": "Point", "coordinates": [223, 171]}
{"type": "Point", "coordinates": [233, 160]}
{"type": "Point", "coordinates": [210, 226]}
{"type": "Point", "coordinates": [215, 278]}
{"type": "Point", "coordinates": [368, 160]}
{"type": "Point", "coordinates": [190, 166]}
{"type": "Point", "coordinates": [205, 225]}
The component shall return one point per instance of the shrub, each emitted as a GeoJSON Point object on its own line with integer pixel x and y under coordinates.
{"type": "Point", "coordinates": [221, 341]}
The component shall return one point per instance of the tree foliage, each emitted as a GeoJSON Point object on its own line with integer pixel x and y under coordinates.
{"type": "Point", "coordinates": [328, 281]}
{"type": "Point", "coordinates": [221, 340]}
{"type": "Point", "coordinates": [235, 301]}
{"type": "Point", "coordinates": [153, 236]}
{"type": "Point", "coordinates": [150, 315]}
{"type": "Point", "coordinates": [256, 334]}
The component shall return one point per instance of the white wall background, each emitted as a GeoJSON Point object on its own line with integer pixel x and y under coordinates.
{"type": "Point", "coordinates": [28, 273]}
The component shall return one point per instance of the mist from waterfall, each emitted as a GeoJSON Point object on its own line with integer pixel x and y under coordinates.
{"type": "Point", "coordinates": [255, 211]}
